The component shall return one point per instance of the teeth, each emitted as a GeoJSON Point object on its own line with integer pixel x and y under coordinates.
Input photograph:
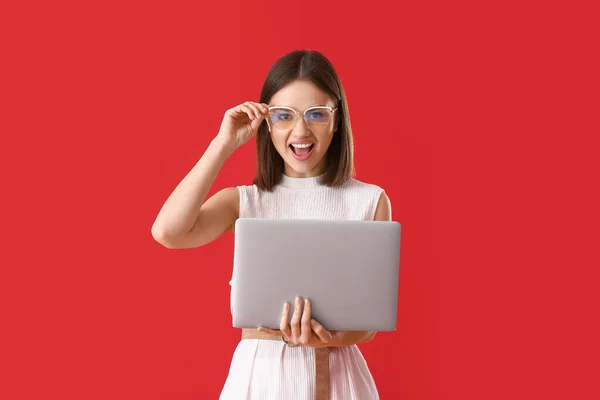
{"type": "Point", "coordinates": [301, 146]}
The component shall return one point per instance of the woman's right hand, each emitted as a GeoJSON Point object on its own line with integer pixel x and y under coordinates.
{"type": "Point", "coordinates": [302, 329]}
{"type": "Point", "coordinates": [241, 122]}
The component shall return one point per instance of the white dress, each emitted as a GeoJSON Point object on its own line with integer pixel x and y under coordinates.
{"type": "Point", "coordinates": [270, 370]}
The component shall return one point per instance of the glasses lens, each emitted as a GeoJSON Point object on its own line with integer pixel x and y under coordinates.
{"type": "Point", "coordinates": [282, 118]}
{"type": "Point", "coordinates": [317, 116]}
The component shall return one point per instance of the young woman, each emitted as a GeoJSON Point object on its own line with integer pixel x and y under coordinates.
{"type": "Point", "coordinates": [305, 170]}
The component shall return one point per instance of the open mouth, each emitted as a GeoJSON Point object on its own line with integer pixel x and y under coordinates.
{"type": "Point", "coordinates": [302, 150]}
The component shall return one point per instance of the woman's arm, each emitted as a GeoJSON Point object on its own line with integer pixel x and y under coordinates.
{"type": "Point", "coordinates": [186, 220]}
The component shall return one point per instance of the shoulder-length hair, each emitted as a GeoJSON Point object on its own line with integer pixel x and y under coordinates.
{"type": "Point", "coordinates": [312, 66]}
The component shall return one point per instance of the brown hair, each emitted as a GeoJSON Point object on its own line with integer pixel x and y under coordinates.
{"type": "Point", "coordinates": [312, 66]}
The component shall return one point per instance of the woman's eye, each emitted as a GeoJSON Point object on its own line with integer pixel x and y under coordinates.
{"type": "Point", "coordinates": [315, 115]}
{"type": "Point", "coordinates": [284, 116]}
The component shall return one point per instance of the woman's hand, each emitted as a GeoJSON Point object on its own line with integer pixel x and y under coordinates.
{"type": "Point", "coordinates": [302, 329]}
{"type": "Point", "coordinates": [241, 122]}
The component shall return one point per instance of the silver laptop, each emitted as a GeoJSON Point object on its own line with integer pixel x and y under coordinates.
{"type": "Point", "coordinates": [349, 269]}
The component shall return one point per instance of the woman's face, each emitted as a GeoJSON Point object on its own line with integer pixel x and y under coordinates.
{"type": "Point", "coordinates": [302, 146]}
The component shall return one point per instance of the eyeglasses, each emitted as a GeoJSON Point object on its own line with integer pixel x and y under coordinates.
{"type": "Point", "coordinates": [285, 118]}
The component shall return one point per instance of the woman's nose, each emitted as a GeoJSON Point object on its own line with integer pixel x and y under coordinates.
{"type": "Point", "coordinates": [301, 128]}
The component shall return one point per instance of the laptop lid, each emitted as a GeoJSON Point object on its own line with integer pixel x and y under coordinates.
{"type": "Point", "coordinates": [349, 269]}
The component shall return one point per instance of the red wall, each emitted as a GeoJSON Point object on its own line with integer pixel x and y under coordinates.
{"type": "Point", "coordinates": [472, 117]}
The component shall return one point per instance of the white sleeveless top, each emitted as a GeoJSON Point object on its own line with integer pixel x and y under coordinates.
{"type": "Point", "coordinates": [307, 198]}
{"type": "Point", "coordinates": [267, 369]}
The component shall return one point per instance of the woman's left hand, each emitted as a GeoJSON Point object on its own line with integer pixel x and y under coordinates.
{"type": "Point", "coordinates": [302, 329]}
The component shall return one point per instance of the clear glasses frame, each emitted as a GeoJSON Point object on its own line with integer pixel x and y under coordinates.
{"type": "Point", "coordinates": [296, 114]}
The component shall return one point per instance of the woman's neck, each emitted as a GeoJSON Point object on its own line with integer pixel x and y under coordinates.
{"type": "Point", "coordinates": [309, 182]}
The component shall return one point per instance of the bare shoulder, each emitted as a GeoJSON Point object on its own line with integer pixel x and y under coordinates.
{"type": "Point", "coordinates": [231, 195]}
{"type": "Point", "coordinates": [227, 200]}
{"type": "Point", "coordinates": [219, 213]}
{"type": "Point", "coordinates": [383, 212]}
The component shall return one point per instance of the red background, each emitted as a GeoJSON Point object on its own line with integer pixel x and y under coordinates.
{"type": "Point", "coordinates": [478, 119]}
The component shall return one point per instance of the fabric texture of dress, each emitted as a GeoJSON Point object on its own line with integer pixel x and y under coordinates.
{"type": "Point", "coordinates": [271, 370]}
